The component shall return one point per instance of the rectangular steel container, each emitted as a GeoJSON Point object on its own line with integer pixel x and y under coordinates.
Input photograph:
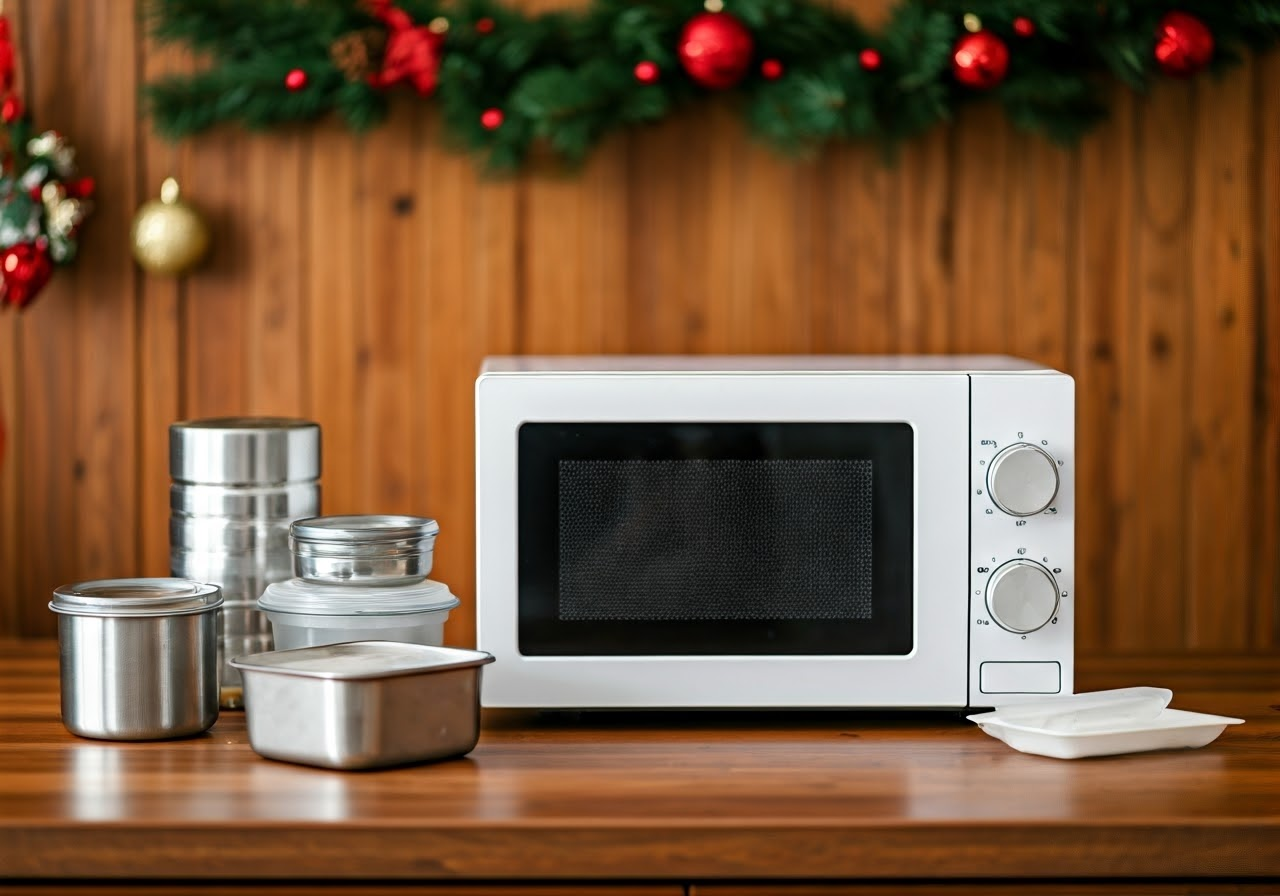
{"type": "Point", "coordinates": [364, 704]}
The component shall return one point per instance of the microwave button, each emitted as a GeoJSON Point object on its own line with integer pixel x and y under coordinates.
{"type": "Point", "coordinates": [1022, 596]}
{"type": "Point", "coordinates": [1023, 480]}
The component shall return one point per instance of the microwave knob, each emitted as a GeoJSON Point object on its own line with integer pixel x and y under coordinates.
{"type": "Point", "coordinates": [1022, 480]}
{"type": "Point", "coordinates": [1022, 596]}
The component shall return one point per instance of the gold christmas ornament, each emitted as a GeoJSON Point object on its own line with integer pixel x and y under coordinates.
{"type": "Point", "coordinates": [169, 236]}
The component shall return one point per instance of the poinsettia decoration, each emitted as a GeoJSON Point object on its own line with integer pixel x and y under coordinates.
{"type": "Point", "coordinates": [42, 201]}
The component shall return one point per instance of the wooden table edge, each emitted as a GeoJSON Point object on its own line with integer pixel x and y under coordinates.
{"type": "Point", "coordinates": [640, 852]}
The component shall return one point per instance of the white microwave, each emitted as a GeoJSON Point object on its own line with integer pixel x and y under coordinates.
{"type": "Point", "coordinates": [774, 532]}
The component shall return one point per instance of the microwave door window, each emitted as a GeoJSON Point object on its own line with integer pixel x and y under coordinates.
{"type": "Point", "coordinates": [715, 539]}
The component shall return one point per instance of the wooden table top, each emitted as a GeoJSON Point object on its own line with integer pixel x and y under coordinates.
{"type": "Point", "coordinates": [693, 797]}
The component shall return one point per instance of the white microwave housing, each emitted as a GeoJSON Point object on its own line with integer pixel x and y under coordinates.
{"type": "Point", "coordinates": [993, 569]}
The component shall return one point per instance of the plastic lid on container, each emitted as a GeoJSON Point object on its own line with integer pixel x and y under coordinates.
{"type": "Point", "coordinates": [361, 529]}
{"type": "Point", "coordinates": [135, 597]}
{"type": "Point", "coordinates": [312, 599]}
{"type": "Point", "coordinates": [1099, 710]}
{"type": "Point", "coordinates": [363, 659]}
{"type": "Point", "coordinates": [244, 450]}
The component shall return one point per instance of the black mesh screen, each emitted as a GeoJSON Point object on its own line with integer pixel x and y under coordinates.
{"type": "Point", "coordinates": [772, 539]}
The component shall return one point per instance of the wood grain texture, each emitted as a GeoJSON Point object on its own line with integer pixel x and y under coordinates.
{"type": "Point", "coordinates": [986, 888]}
{"type": "Point", "coordinates": [249, 888]}
{"type": "Point", "coordinates": [1154, 613]}
{"type": "Point", "coordinates": [1223, 363]}
{"type": "Point", "coordinates": [679, 797]}
{"type": "Point", "coordinates": [1103, 362]}
{"type": "Point", "coordinates": [361, 281]}
{"type": "Point", "coordinates": [1264, 555]}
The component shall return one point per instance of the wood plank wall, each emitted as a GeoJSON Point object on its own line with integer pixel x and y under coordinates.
{"type": "Point", "coordinates": [360, 282]}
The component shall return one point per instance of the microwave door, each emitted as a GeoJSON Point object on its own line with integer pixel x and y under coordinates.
{"type": "Point", "coordinates": [715, 539]}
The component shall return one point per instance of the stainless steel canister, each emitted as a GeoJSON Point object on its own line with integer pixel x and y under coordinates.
{"type": "Point", "coordinates": [364, 549]}
{"type": "Point", "coordinates": [138, 657]}
{"type": "Point", "coordinates": [238, 482]}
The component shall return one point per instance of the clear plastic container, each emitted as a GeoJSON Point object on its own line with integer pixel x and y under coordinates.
{"type": "Point", "coordinates": [305, 614]}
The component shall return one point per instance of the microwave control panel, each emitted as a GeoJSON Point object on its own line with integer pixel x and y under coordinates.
{"type": "Point", "coordinates": [1022, 537]}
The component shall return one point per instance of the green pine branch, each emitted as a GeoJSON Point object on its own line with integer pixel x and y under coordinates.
{"type": "Point", "coordinates": [565, 80]}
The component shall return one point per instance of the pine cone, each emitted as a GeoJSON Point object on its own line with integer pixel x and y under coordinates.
{"type": "Point", "coordinates": [357, 53]}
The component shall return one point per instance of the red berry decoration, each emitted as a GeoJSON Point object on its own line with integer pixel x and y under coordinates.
{"type": "Point", "coordinates": [491, 119]}
{"type": "Point", "coordinates": [980, 60]}
{"type": "Point", "coordinates": [10, 109]}
{"type": "Point", "coordinates": [1184, 45]}
{"type": "Point", "coordinates": [485, 25]}
{"type": "Point", "coordinates": [295, 80]}
{"type": "Point", "coordinates": [1023, 27]}
{"type": "Point", "coordinates": [771, 69]}
{"type": "Point", "coordinates": [715, 49]}
{"type": "Point", "coordinates": [647, 72]}
{"type": "Point", "coordinates": [869, 59]}
{"type": "Point", "coordinates": [24, 270]}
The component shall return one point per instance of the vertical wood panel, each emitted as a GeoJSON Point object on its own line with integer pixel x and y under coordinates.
{"type": "Point", "coordinates": [1103, 365]}
{"type": "Point", "coordinates": [160, 395]}
{"type": "Point", "coordinates": [1264, 499]}
{"type": "Point", "coordinates": [1222, 367]}
{"type": "Point", "coordinates": [678, 260]}
{"type": "Point", "coordinates": [847, 253]}
{"type": "Point", "coordinates": [11, 416]}
{"type": "Point", "coordinates": [768, 282]}
{"type": "Point", "coordinates": [573, 257]}
{"type": "Point", "coordinates": [215, 338]}
{"type": "Point", "coordinates": [922, 243]}
{"type": "Point", "coordinates": [384, 296]}
{"type": "Point", "coordinates": [1041, 274]}
{"type": "Point", "coordinates": [277, 216]}
{"type": "Point", "coordinates": [980, 221]}
{"type": "Point", "coordinates": [79, 375]}
{"type": "Point", "coordinates": [337, 358]}
{"type": "Point", "coordinates": [1153, 612]}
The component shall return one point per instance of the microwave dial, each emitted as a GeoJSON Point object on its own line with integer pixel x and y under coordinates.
{"type": "Point", "coordinates": [1023, 479]}
{"type": "Point", "coordinates": [1022, 596]}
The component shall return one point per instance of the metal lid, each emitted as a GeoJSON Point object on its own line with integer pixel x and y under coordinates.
{"type": "Point", "coordinates": [310, 599]}
{"type": "Point", "coordinates": [135, 597]}
{"type": "Point", "coordinates": [244, 450]}
{"type": "Point", "coordinates": [362, 659]}
{"type": "Point", "coordinates": [358, 529]}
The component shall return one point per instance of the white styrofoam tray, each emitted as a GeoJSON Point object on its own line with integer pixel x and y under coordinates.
{"type": "Point", "coordinates": [1103, 723]}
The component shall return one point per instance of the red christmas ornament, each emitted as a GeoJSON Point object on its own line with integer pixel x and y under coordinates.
{"type": "Point", "coordinates": [647, 72]}
{"type": "Point", "coordinates": [491, 119]}
{"type": "Point", "coordinates": [296, 79]}
{"type": "Point", "coordinates": [412, 53]}
{"type": "Point", "coordinates": [81, 188]}
{"type": "Point", "coordinates": [7, 62]}
{"type": "Point", "coordinates": [980, 60]}
{"type": "Point", "coordinates": [1023, 27]}
{"type": "Point", "coordinates": [11, 109]}
{"type": "Point", "coordinates": [485, 25]}
{"type": "Point", "coordinates": [1184, 45]}
{"type": "Point", "coordinates": [771, 69]}
{"type": "Point", "coordinates": [715, 49]}
{"type": "Point", "coordinates": [24, 270]}
{"type": "Point", "coordinates": [869, 59]}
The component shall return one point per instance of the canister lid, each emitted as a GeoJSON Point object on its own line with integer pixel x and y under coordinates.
{"type": "Point", "coordinates": [309, 598]}
{"type": "Point", "coordinates": [359, 529]}
{"type": "Point", "coordinates": [244, 450]}
{"type": "Point", "coordinates": [135, 597]}
{"type": "Point", "coordinates": [362, 659]}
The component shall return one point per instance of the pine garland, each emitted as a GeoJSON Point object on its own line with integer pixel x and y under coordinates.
{"type": "Point", "coordinates": [508, 80]}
